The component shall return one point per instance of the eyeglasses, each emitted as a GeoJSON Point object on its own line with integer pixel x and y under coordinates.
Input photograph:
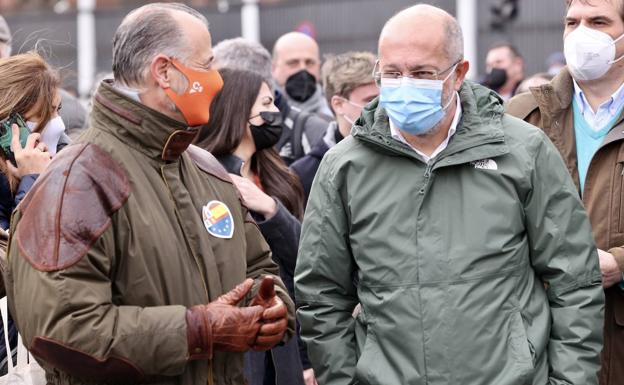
{"type": "Point", "coordinates": [421, 74]}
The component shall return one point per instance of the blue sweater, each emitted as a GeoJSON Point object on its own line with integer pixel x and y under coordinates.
{"type": "Point", "coordinates": [588, 141]}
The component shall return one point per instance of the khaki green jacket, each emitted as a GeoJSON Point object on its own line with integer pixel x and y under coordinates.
{"type": "Point", "coordinates": [109, 249]}
{"type": "Point", "coordinates": [451, 259]}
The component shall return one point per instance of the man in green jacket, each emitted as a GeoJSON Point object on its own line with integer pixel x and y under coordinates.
{"type": "Point", "coordinates": [132, 259]}
{"type": "Point", "coordinates": [455, 227]}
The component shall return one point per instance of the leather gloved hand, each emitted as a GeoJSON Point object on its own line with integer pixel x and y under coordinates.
{"type": "Point", "coordinates": [222, 325]}
{"type": "Point", "coordinates": [274, 317]}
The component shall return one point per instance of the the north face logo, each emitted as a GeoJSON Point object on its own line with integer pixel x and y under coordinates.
{"type": "Point", "coordinates": [196, 87]}
{"type": "Point", "coordinates": [485, 164]}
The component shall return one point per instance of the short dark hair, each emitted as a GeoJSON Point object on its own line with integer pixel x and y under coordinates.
{"type": "Point", "coordinates": [589, 2]}
{"type": "Point", "coordinates": [504, 44]}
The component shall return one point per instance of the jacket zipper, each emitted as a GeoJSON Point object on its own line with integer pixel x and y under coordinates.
{"type": "Point", "coordinates": [201, 274]}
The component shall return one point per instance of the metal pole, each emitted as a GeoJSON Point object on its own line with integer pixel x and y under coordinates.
{"type": "Point", "coordinates": [250, 20]}
{"type": "Point", "coordinates": [86, 47]}
{"type": "Point", "coordinates": [467, 17]}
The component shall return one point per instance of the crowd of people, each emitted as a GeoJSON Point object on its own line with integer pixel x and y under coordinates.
{"type": "Point", "coordinates": [228, 215]}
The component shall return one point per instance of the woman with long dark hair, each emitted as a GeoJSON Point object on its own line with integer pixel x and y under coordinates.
{"type": "Point", "coordinates": [244, 126]}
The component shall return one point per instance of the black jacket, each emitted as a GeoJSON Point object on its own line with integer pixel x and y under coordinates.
{"type": "Point", "coordinates": [8, 202]}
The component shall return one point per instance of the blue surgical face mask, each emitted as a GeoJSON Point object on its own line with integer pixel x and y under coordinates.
{"type": "Point", "coordinates": [414, 105]}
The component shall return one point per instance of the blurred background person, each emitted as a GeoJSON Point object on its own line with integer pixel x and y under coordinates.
{"type": "Point", "coordinates": [555, 62]}
{"type": "Point", "coordinates": [244, 126]}
{"type": "Point", "coordinates": [73, 113]}
{"type": "Point", "coordinates": [533, 81]}
{"type": "Point", "coordinates": [348, 85]}
{"type": "Point", "coordinates": [301, 129]}
{"type": "Point", "coordinates": [297, 70]}
{"type": "Point", "coordinates": [504, 68]}
{"type": "Point", "coordinates": [243, 54]}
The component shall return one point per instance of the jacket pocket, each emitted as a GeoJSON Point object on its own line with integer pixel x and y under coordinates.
{"type": "Point", "coordinates": [368, 360]}
{"type": "Point", "coordinates": [521, 348]}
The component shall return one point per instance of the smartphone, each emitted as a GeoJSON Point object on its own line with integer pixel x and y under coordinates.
{"type": "Point", "coordinates": [6, 135]}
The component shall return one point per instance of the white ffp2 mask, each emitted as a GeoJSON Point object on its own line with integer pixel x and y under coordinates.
{"type": "Point", "coordinates": [51, 133]}
{"type": "Point", "coordinates": [589, 53]}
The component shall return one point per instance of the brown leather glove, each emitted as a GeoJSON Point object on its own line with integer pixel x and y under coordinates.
{"type": "Point", "coordinates": [274, 317]}
{"type": "Point", "coordinates": [222, 325]}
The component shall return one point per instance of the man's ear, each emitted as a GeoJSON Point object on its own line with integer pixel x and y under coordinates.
{"type": "Point", "coordinates": [160, 71]}
{"type": "Point", "coordinates": [462, 70]}
{"type": "Point", "coordinates": [337, 105]}
{"type": "Point", "coordinates": [274, 68]}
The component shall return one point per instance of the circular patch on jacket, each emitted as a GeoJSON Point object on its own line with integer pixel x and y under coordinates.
{"type": "Point", "coordinates": [218, 219]}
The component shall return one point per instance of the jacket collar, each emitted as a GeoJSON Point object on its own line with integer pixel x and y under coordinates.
{"type": "Point", "coordinates": [557, 95]}
{"type": "Point", "coordinates": [555, 98]}
{"type": "Point", "coordinates": [232, 163]}
{"type": "Point", "coordinates": [148, 131]}
{"type": "Point", "coordinates": [479, 130]}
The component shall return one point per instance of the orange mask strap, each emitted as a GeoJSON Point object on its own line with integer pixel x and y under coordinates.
{"type": "Point", "coordinates": [194, 102]}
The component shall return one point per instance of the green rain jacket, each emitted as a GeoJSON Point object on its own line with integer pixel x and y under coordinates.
{"type": "Point", "coordinates": [478, 268]}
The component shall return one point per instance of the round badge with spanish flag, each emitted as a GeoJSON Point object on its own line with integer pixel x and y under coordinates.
{"type": "Point", "coordinates": [218, 220]}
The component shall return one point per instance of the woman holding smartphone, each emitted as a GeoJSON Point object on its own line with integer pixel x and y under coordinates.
{"type": "Point", "coordinates": [29, 96]}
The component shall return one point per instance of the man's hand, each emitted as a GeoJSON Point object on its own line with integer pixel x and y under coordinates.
{"type": "Point", "coordinates": [309, 378]}
{"type": "Point", "coordinates": [222, 325]}
{"type": "Point", "coordinates": [611, 274]}
{"type": "Point", "coordinates": [275, 315]}
{"type": "Point", "coordinates": [31, 159]}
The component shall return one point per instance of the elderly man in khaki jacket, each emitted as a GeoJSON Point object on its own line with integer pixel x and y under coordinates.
{"type": "Point", "coordinates": [581, 112]}
{"type": "Point", "coordinates": [132, 258]}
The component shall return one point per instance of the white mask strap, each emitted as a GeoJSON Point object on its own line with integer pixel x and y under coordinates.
{"type": "Point", "coordinates": [617, 60]}
{"type": "Point", "coordinates": [618, 39]}
{"type": "Point", "coordinates": [450, 101]}
{"type": "Point", "coordinates": [615, 42]}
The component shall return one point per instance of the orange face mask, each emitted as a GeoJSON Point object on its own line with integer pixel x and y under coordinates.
{"type": "Point", "coordinates": [194, 102]}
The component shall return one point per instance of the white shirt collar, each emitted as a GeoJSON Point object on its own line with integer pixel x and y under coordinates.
{"type": "Point", "coordinates": [397, 135]}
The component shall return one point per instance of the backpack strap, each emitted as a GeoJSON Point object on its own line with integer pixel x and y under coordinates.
{"type": "Point", "coordinates": [297, 134]}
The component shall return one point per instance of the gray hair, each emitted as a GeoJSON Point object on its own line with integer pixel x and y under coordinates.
{"type": "Point", "coordinates": [242, 54]}
{"type": "Point", "coordinates": [146, 32]}
{"type": "Point", "coordinates": [454, 40]}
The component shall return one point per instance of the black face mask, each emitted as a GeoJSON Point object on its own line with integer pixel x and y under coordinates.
{"type": "Point", "coordinates": [495, 79]}
{"type": "Point", "coordinates": [268, 133]}
{"type": "Point", "coordinates": [301, 86]}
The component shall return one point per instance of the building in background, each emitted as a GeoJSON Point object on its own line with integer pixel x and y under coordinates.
{"type": "Point", "coordinates": [338, 25]}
